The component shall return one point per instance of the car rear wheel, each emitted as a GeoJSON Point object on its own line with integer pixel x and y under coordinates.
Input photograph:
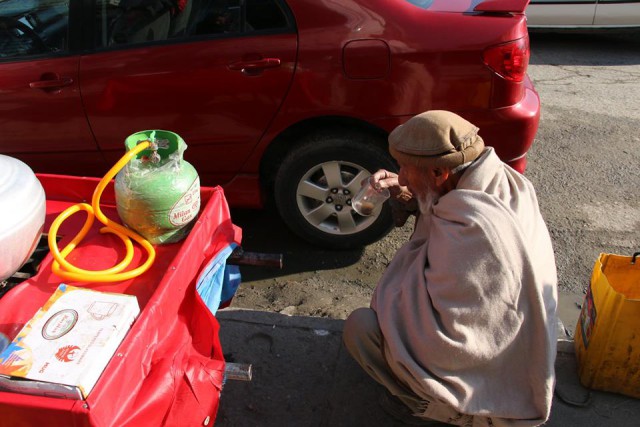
{"type": "Point", "coordinates": [315, 184]}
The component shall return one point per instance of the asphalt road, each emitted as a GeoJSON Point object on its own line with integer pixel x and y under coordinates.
{"type": "Point", "coordinates": [584, 162]}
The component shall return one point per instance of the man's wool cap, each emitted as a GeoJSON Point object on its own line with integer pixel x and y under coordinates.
{"type": "Point", "coordinates": [435, 139]}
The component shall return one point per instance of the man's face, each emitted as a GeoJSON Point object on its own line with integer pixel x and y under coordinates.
{"type": "Point", "coordinates": [422, 184]}
{"type": "Point", "coordinates": [416, 179]}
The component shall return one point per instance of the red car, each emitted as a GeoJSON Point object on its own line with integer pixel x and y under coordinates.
{"type": "Point", "coordinates": [292, 99]}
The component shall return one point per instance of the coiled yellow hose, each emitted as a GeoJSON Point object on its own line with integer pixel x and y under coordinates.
{"type": "Point", "coordinates": [62, 268]}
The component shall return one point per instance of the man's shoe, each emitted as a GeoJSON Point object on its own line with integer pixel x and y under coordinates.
{"type": "Point", "coordinates": [401, 412]}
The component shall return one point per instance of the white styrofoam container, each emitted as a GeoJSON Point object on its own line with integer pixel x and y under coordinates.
{"type": "Point", "coordinates": [22, 214]}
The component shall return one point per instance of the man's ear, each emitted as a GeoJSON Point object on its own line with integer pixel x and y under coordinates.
{"type": "Point", "coordinates": [440, 175]}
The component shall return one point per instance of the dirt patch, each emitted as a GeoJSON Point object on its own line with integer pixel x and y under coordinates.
{"type": "Point", "coordinates": [313, 281]}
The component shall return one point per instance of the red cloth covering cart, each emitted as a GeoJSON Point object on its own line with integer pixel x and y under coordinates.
{"type": "Point", "coordinates": [169, 369]}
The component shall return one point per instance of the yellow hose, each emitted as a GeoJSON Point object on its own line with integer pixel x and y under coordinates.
{"type": "Point", "coordinates": [62, 268]}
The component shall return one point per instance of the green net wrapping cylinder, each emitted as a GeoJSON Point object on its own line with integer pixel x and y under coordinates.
{"type": "Point", "coordinates": [158, 192]}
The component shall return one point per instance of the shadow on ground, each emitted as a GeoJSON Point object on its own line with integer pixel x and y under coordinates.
{"type": "Point", "coordinates": [263, 231]}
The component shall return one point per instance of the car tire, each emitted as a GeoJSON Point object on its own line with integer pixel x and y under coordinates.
{"type": "Point", "coordinates": [315, 183]}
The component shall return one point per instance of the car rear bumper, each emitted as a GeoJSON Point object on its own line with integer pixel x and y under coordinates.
{"type": "Point", "coordinates": [512, 130]}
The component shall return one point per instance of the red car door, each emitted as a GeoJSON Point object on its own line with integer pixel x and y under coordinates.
{"type": "Point", "coordinates": [41, 113]}
{"type": "Point", "coordinates": [212, 78]}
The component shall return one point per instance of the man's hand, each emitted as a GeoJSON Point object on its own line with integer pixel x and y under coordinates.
{"type": "Point", "coordinates": [402, 202]}
{"type": "Point", "coordinates": [385, 179]}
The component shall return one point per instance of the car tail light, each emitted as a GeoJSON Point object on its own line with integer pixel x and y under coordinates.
{"type": "Point", "coordinates": [509, 60]}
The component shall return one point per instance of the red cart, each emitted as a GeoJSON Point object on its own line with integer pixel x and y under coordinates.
{"type": "Point", "coordinates": [169, 369]}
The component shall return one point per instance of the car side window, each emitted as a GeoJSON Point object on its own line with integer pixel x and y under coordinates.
{"type": "Point", "coordinates": [265, 15]}
{"type": "Point", "coordinates": [133, 21]}
{"type": "Point", "coordinates": [213, 17]}
{"type": "Point", "coordinates": [33, 27]}
{"type": "Point", "coordinates": [123, 22]}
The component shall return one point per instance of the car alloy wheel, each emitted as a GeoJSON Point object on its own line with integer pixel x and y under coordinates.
{"type": "Point", "coordinates": [324, 198]}
{"type": "Point", "coordinates": [316, 182]}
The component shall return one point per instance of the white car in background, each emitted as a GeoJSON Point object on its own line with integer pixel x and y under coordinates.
{"type": "Point", "coordinates": [583, 14]}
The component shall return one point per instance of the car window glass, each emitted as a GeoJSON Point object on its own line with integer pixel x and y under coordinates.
{"type": "Point", "coordinates": [138, 21]}
{"type": "Point", "coordinates": [33, 27]}
{"type": "Point", "coordinates": [133, 21]}
{"type": "Point", "coordinates": [265, 15]}
{"type": "Point", "coordinates": [214, 17]}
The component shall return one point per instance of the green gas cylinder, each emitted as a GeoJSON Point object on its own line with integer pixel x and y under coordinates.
{"type": "Point", "coordinates": [158, 192]}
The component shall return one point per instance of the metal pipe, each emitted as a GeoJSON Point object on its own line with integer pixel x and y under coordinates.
{"type": "Point", "coordinates": [238, 371]}
{"type": "Point", "coordinates": [240, 257]}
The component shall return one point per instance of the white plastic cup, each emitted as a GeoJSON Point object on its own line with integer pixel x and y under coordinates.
{"type": "Point", "coordinates": [369, 199]}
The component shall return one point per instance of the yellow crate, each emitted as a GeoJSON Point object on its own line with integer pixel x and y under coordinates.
{"type": "Point", "coordinates": [607, 337]}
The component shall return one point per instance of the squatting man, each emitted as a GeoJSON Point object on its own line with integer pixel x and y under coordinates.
{"type": "Point", "coordinates": [462, 325]}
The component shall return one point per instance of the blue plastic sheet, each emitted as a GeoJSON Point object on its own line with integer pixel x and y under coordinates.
{"type": "Point", "coordinates": [218, 282]}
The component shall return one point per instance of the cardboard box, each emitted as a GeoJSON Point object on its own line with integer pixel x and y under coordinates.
{"type": "Point", "coordinates": [64, 348]}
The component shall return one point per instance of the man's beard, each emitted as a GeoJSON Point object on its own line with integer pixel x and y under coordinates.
{"type": "Point", "coordinates": [426, 201]}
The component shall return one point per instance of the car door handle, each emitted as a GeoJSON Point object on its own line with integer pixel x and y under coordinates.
{"type": "Point", "coordinates": [255, 65]}
{"type": "Point", "coordinates": [51, 84]}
